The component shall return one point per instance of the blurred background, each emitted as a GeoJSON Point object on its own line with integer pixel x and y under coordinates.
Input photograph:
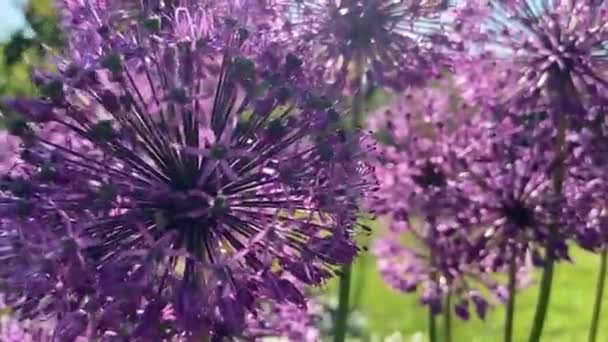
{"type": "Point", "coordinates": [28, 30]}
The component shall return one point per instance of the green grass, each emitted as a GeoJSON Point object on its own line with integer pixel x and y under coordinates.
{"type": "Point", "coordinates": [388, 311]}
{"type": "Point", "coordinates": [570, 309]}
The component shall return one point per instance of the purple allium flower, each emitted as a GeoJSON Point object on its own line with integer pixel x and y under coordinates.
{"type": "Point", "coordinates": [479, 188]}
{"type": "Point", "coordinates": [286, 320]}
{"type": "Point", "coordinates": [588, 184]}
{"type": "Point", "coordinates": [415, 183]}
{"type": "Point", "coordinates": [167, 183]}
{"type": "Point", "coordinates": [412, 170]}
{"type": "Point", "coordinates": [593, 235]}
{"type": "Point", "coordinates": [390, 42]}
{"type": "Point", "coordinates": [435, 263]}
{"type": "Point", "coordinates": [550, 52]}
{"type": "Point", "coordinates": [93, 27]}
{"type": "Point", "coordinates": [516, 208]}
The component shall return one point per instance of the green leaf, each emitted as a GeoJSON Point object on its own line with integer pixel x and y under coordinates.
{"type": "Point", "coordinates": [15, 49]}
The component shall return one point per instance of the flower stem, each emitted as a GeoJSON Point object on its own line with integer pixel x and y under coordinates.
{"type": "Point", "coordinates": [432, 326]}
{"type": "Point", "coordinates": [343, 309]}
{"type": "Point", "coordinates": [434, 277]}
{"type": "Point", "coordinates": [358, 98]}
{"type": "Point", "coordinates": [345, 278]}
{"type": "Point", "coordinates": [558, 182]}
{"type": "Point", "coordinates": [599, 294]}
{"type": "Point", "coordinates": [360, 281]}
{"type": "Point", "coordinates": [543, 300]}
{"type": "Point", "coordinates": [511, 300]}
{"type": "Point", "coordinates": [447, 316]}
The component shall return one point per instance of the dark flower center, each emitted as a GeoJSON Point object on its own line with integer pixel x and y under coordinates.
{"type": "Point", "coordinates": [363, 23]}
{"type": "Point", "coordinates": [186, 213]}
{"type": "Point", "coordinates": [518, 213]}
{"type": "Point", "coordinates": [563, 50]}
{"type": "Point", "coordinates": [430, 175]}
{"type": "Point", "coordinates": [219, 206]}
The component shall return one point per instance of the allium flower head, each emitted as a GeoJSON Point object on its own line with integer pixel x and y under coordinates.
{"type": "Point", "coordinates": [434, 260]}
{"type": "Point", "coordinates": [127, 24]}
{"type": "Point", "coordinates": [389, 42]}
{"type": "Point", "coordinates": [513, 207]}
{"type": "Point", "coordinates": [287, 320]}
{"type": "Point", "coordinates": [473, 189]}
{"type": "Point", "coordinates": [555, 49]}
{"type": "Point", "coordinates": [592, 210]}
{"type": "Point", "coordinates": [588, 185]}
{"type": "Point", "coordinates": [410, 162]}
{"type": "Point", "coordinates": [418, 191]}
{"type": "Point", "coordinates": [159, 196]}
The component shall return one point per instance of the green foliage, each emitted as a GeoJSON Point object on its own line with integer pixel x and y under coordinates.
{"type": "Point", "coordinates": [388, 312]}
{"type": "Point", "coordinates": [28, 48]}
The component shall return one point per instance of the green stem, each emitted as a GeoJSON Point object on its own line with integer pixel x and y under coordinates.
{"type": "Point", "coordinates": [543, 300]}
{"type": "Point", "coordinates": [345, 279]}
{"type": "Point", "coordinates": [432, 326]}
{"type": "Point", "coordinates": [358, 98]}
{"type": "Point", "coordinates": [358, 108]}
{"type": "Point", "coordinates": [447, 315]}
{"type": "Point", "coordinates": [434, 277]}
{"type": "Point", "coordinates": [599, 294]}
{"type": "Point", "coordinates": [360, 281]}
{"type": "Point", "coordinates": [511, 300]}
{"type": "Point", "coordinates": [343, 309]}
{"type": "Point", "coordinates": [563, 83]}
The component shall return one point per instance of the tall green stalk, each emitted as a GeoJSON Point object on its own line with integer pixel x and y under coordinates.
{"type": "Point", "coordinates": [432, 326]}
{"type": "Point", "coordinates": [358, 98]}
{"type": "Point", "coordinates": [361, 271]}
{"type": "Point", "coordinates": [510, 314]}
{"type": "Point", "coordinates": [434, 278]}
{"type": "Point", "coordinates": [447, 318]}
{"type": "Point", "coordinates": [343, 308]}
{"type": "Point", "coordinates": [560, 88]}
{"type": "Point", "coordinates": [543, 300]}
{"type": "Point", "coordinates": [599, 295]}
{"type": "Point", "coordinates": [345, 278]}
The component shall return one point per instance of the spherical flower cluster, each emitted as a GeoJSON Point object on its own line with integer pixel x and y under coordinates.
{"type": "Point", "coordinates": [94, 26]}
{"type": "Point", "coordinates": [164, 186]}
{"type": "Point", "coordinates": [437, 262]}
{"type": "Point", "coordinates": [287, 320]}
{"type": "Point", "coordinates": [510, 181]}
{"type": "Point", "coordinates": [589, 155]}
{"type": "Point", "coordinates": [414, 126]}
{"type": "Point", "coordinates": [545, 59]}
{"type": "Point", "coordinates": [388, 43]}
{"type": "Point", "coordinates": [552, 53]}
{"type": "Point", "coordinates": [480, 183]}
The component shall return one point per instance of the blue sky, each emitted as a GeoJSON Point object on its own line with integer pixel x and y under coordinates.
{"type": "Point", "coordinates": [11, 17]}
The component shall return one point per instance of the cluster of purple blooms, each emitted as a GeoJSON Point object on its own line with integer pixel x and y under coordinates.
{"type": "Point", "coordinates": [175, 169]}
{"type": "Point", "coordinates": [496, 167]}
{"type": "Point", "coordinates": [187, 170]}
